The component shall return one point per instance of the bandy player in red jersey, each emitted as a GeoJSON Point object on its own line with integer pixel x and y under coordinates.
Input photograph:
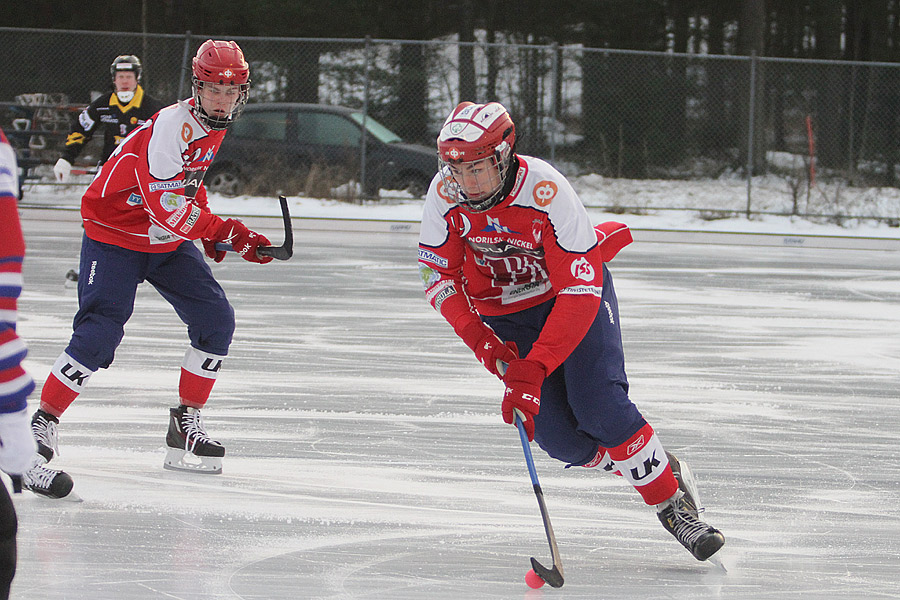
{"type": "Point", "coordinates": [17, 445]}
{"type": "Point", "coordinates": [141, 214]}
{"type": "Point", "coordinates": [509, 257]}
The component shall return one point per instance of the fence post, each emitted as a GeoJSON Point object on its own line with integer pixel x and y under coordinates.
{"type": "Point", "coordinates": [851, 159]}
{"type": "Point", "coordinates": [554, 105]}
{"type": "Point", "coordinates": [185, 53]}
{"type": "Point", "coordinates": [365, 111]}
{"type": "Point", "coordinates": [144, 44]}
{"type": "Point", "coordinates": [751, 126]}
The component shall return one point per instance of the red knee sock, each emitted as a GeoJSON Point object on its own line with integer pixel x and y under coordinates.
{"type": "Point", "coordinates": [602, 460]}
{"type": "Point", "coordinates": [67, 379]}
{"type": "Point", "coordinates": [198, 374]}
{"type": "Point", "coordinates": [643, 462]}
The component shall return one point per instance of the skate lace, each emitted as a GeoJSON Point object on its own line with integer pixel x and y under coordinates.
{"type": "Point", "coordinates": [40, 477]}
{"type": "Point", "coordinates": [45, 432]}
{"type": "Point", "coordinates": [686, 526]}
{"type": "Point", "coordinates": [194, 434]}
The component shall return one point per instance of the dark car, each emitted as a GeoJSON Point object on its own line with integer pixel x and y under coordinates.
{"type": "Point", "coordinates": [289, 145]}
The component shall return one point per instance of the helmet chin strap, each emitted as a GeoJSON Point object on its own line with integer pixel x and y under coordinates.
{"type": "Point", "coordinates": [125, 97]}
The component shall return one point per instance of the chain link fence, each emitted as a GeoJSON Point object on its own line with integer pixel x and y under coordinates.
{"type": "Point", "coordinates": [612, 113]}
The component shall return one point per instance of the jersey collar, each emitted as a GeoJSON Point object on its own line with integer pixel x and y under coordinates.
{"type": "Point", "coordinates": [135, 102]}
{"type": "Point", "coordinates": [521, 173]}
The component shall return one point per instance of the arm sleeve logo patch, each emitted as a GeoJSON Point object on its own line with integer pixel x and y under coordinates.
{"type": "Point", "coordinates": [582, 269]}
{"type": "Point", "coordinates": [544, 192]}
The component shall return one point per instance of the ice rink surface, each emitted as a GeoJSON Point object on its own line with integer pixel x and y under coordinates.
{"type": "Point", "coordinates": [366, 457]}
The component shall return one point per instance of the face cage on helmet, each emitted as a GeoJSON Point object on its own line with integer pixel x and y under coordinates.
{"type": "Point", "coordinates": [219, 123]}
{"type": "Point", "coordinates": [490, 198]}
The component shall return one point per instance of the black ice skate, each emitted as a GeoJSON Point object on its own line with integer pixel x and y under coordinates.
{"type": "Point", "coordinates": [190, 449]}
{"type": "Point", "coordinates": [43, 428]}
{"type": "Point", "coordinates": [680, 515]}
{"type": "Point", "coordinates": [47, 482]}
{"type": "Point", "coordinates": [43, 481]}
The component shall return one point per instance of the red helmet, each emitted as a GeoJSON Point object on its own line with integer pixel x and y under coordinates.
{"type": "Point", "coordinates": [222, 63]}
{"type": "Point", "coordinates": [474, 132]}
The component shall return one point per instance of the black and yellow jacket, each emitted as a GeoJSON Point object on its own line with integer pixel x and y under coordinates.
{"type": "Point", "coordinates": [118, 121]}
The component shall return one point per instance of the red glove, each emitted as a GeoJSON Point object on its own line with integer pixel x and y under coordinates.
{"type": "Point", "coordinates": [490, 350]}
{"type": "Point", "coordinates": [209, 247]}
{"type": "Point", "coordinates": [244, 242]}
{"type": "Point", "coordinates": [523, 393]}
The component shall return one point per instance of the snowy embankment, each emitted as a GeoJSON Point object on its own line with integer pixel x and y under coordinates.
{"type": "Point", "coordinates": [711, 205]}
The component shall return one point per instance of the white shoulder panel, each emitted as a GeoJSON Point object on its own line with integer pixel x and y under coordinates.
{"type": "Point", "coordinates": [173, 130]}
{"type": "Point", "coordinates": [9, 174]}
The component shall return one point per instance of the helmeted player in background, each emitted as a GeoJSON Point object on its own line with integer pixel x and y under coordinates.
{"type": "Point", "coordinates": [140, 216]}
{"type": "Point", "coordinates": [17, 446]}
{"type": "Point", "coordinates": [509, 258]}
{"type": "Point", "coordinates": [118, 114]}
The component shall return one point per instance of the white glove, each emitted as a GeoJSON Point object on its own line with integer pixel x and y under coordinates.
{"type": "Point", "coordinates": [17, 445]}
{"type": "Point", "coordinates": [62, 169]}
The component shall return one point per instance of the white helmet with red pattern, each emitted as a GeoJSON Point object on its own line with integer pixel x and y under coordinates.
{"type": "Point", "coordinates": [220, 63]}
{"type": "Point", "coordinates": [472, 133]}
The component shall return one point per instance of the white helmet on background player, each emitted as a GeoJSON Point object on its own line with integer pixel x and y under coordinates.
{"type": "Point", "coordinates": [220, 63]}
{"type": "Point", "coordinates": [475, 150]}
{"type": "Point", "coordinates": [125, 63]}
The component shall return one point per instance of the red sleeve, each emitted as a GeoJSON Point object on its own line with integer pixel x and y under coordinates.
{"type": "Point", "coordinates": [441, 268]}
{"type": "Point", "coordinates": [445, 292]}
{"type": "Point", "coordinates": [613, 237]}
{"type": "Point", "coordinates": [566, 325]}
{"type": "Point", "coordinates": [15, 383]}
{"type": "Point", "coordinates": [573, 314]}
{"type": "Point", "coordinates": [12, 244]}
{"type": "Point", "coordinates": [200, 199]}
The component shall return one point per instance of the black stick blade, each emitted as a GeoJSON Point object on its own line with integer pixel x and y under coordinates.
{"type": "Point", "coordinates": [282, 252]}
{"type": "Point", "coordinates": [552, 576]}
{"type": "Point", "coordinates": [276, 252]}
{"type": "Point", "coordinates": [286, 250]}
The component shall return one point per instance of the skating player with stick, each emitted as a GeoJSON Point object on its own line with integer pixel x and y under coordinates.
{"type": "Point", "coordinates": [509, 257]}
{"type": "Point", "coordinates": [141, 215]}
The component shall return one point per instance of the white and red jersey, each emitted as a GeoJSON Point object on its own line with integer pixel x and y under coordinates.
{"type": "Point", "coordinates": [537, 244]}
{"type": "Point", "coordinates": [149, 194]}
{"type": "Point", "coordinates": [15, 383]}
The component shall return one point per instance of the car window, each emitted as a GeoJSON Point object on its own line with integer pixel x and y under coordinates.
{"type": "Point", "coordinates": [262, 125]}
{"type": "Point", "coordinates": [326, 129]}
{"type": "Point", "coordinates": [380, 132]}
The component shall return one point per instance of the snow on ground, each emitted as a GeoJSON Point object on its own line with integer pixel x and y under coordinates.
{"type": "Point", "coordinates": [697, 206]}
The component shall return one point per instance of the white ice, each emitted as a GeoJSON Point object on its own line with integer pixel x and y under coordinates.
{"type": "Point", "coordinates": [366, 457]}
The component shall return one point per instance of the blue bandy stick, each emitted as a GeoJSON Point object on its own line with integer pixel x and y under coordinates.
{"type": "Point", "coordinates": [552, 576]}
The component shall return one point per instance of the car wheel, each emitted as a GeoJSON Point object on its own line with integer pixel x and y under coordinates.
{"type": "Point", "coordinates": [224, 181]}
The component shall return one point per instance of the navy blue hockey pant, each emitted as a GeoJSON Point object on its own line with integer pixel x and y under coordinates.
{"type": "Point", "coordinates": [584, 402]}
{"type": "Point", "coordinates": [107, 285]}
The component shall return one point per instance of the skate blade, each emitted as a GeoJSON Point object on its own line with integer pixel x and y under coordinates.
{"type": "Point", "coordinates": [70, 497]}
{"type": "Point", "coordinates": [716, 561]}
{"type": "Point", "coordinates": [182, 460]}
{"type": "Point", "coordinates": [688, 484]}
